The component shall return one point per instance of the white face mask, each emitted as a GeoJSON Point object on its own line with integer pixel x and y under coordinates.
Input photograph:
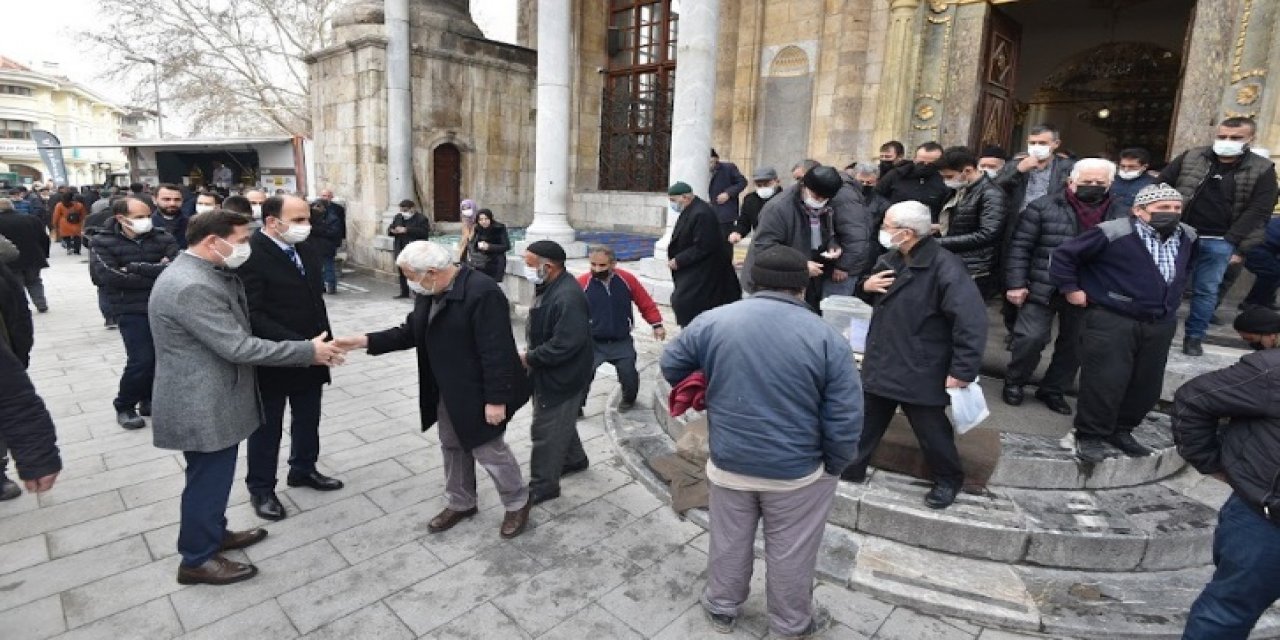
{"type": "Point", "coordinates": [535, 275]}
{"type": "Point", "coordinates": [676, 207]}
{"type": "Point", "coordinates": [257, 211]}
{"type": "Point", "coordinates": [814, 203]}
{"type": "Point", "coordinates": [1129, 175]}
{"type": "Point", "coordinates": [239, 254]}
{"type": "Point", "coordinates": [296, 233]}
{"type": "Point", "coordinates": [204, 208]}
{"type": "Point", "coordinates": [1228, 148]}
{"type": "Point", "coordinates": [419, 289]}
{"type": "Point", "coordinates": [140, 225]}
{"type": "Point", "coordinates": [765, 192]}
{"type": "Point", "coordinates": [1039, 151]}
{"type": "Point", "coordinates": [991, 172]}
{"type": "Point", "coordinates": [886, 240]}
{"type": "Point", "coordinates": [958, 183]}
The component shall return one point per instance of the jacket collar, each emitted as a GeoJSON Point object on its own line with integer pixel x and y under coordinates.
{"type": "Point", "coordinates": [458, 288]}
{"type": "Point", "coordinates": [780, 296]}
{"type": "Point", "coordinates": [922, 255]}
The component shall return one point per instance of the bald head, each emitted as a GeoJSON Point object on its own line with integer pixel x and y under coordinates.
{"type": "Point", "coordinates": [256, 196]}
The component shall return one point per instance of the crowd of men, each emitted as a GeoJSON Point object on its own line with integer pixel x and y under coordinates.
{"type": "Point", "coordinates": [222, 296]}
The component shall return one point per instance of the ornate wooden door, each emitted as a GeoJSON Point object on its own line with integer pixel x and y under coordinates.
{"type": "Point", "coordinates": [996, 105]}
{"type": "Point", "coordinates": [446, 183]}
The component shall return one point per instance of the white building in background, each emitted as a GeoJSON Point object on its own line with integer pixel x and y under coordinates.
{"type": "Point", "coordinates": [31, 99]}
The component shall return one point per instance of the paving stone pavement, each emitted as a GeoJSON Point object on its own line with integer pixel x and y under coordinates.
{"type": "Point", "coordinates": [96, 558]}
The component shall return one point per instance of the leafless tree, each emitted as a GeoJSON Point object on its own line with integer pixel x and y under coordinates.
{"type": "Point", "coordinates": [231, 65]}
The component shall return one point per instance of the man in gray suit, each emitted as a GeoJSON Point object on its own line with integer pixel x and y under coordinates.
{"type": "Point", "coordinates": [206, 399]}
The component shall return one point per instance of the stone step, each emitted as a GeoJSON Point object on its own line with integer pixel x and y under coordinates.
{"type": "Point", "coordinates": [1029, 460]}
{"type": "Point", "coordinates": [1025, 597]}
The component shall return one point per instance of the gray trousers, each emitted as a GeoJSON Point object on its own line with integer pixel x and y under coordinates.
{"type": "Point", "coordinates": [556, 445]}
{"type": "Point", "coordinates": [460, 469]}
{"type": "Point", "coordinates": [35, 287]}
{"type": "Point", "coordinates": [793, 525]}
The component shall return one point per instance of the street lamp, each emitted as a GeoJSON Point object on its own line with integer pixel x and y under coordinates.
{"type": "Point", "coordinates": [155, 77]}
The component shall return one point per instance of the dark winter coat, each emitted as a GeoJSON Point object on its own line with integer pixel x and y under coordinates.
{"type": "Point", "coordinates": [18, 333]}
{"type": "Point", "coordinates": [285, 305]}
{"type": "Point", "coordinates": [466, 355]}
{"type": "Point", "coordinates": [930, 324]}
{"type": "Point", "coordinates": [1014, 182]}
{"type": "Point", "coordinates": [785, 221]}
{"type": "Point", "coordinates": [561, 352]}
{"type": "Point", "coordinates": [726, 178]}
{"type": "Point", "coordinates": [493, 260]}
{"type": "Point", "coordinates": [416, 225]}
{"type": "Point", "coordinates": [30, 236]}
{"type": "Point", "coordinates": [974, 227]}
{"type": "Point", "coordinates": [1250, 187]}
{"type": "Point", "coordinates": [704, 277]}
{"type": "Point", "coordinates": [25, 425]}
{"type": "Point", "coordinates": [176, 227]}
{"type": "Point", "coordinates": [1247, 448]}
{"type": "Point", "coordinates": [749, 214]}
{"type": "Point", "coordinates": [328, 228]}
{"type": "Point", "coordinates": [1046, 224]}
{"type": "Point", "coordinates": [918, 182]}
{"type": "Point", "coordinates": [128, 267]}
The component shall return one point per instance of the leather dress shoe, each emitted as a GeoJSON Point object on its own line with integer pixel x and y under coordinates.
{"type": "Point", "coordinates": [571, 469]}
{"type": "Point", "coordinates": [1091, 450]}
{"type": "Point", "coordinates": [1055, 402]}
{"type": "Point", "coordinates": [315, 480]}
{"type": "Point", "coordinates": [1124, 441]}
{"type": "Point", "coordinates": [1012, 394]}
{"type": "Point", "coordinates": [1192, 347]}
{"type": "Point", "coordinates": [129, 419]}
{"type": "Point", "coordinates": [539, 497]}
{"type": "Point", "coordinates": [267, 506]}
{"type": "Point", "coordinates": [217, 570]}
{"type": "Point", "coordinates": [514, 522]}
{"type": "Point", "coordinates": [8, 488]}
{"type": "Point", "coordinates": [144, 409]}
{"type": "Point", "coordinates": [448, 519]}
{"type": "Point", "coordinates": [854, 474]}
{"type": "Point", "coordinates": [241, 539]}
{"type": "Point", "coordinates": [941, 496]}
{"type": "Point", "coordinates": [626, 405]}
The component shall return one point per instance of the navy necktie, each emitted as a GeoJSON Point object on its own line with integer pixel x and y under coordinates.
{"type": "Point", "coordinates": [293, 255]}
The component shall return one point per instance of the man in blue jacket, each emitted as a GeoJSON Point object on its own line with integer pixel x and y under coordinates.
{"type": "Point", "coordinates": [779, 455]}
{"type": "Point", "coordinates": [1130, 275]}
{"type": "Point", "coordinates": [726, 185]}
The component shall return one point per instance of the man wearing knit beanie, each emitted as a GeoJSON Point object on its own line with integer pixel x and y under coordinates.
{"type": "Point", "coordinates": [559, 360]}
{"type": "Point", "coordinates": [1226, 424]}
{"type": "Point", "coordinates": [778, 456]}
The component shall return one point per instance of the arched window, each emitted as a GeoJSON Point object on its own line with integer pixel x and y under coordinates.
{"type": "Point", "coordinates": [635, 121]}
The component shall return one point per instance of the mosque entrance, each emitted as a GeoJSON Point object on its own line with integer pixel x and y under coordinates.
{"type": "Point", "coordinates": [1106, 72]}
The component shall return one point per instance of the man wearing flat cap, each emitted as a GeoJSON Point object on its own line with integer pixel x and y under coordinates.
{"type": "Point", "coordinates": [1246, 455]}
{"type": "Point", "coordinates": [765, 180]}
{"type": "Point", "coordinates": [825, 222]}
{"type": "Point", "coordinates": [776, 458]}
{"type": "Point", "coordinates": [1129, 275]}
{"type": "Point", "coordinates": [701, 258]}
{"type": "Point", "coordinates": [559, 358]}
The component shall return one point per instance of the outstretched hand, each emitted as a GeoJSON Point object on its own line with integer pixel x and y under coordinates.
{"type": "Point", "coordinates": [349, 343]}
{"type": "Point", "coordinates": [328, 354]}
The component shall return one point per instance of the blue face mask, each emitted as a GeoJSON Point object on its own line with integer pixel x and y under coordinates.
{"type": "Point", "coordinates": [676, 207]}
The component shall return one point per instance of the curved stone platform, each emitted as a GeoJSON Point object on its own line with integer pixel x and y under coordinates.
{"type": "Point", "coordinates": [1124, 557]}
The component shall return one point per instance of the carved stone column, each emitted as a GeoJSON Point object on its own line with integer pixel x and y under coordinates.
{"type": "Point", "coordinates": [900, 63]}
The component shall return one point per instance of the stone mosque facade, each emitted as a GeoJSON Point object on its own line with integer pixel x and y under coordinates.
{"type": "Point", "coordinates": [792, 79]}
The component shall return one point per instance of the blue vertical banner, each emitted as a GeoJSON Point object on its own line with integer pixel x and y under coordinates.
{"type": "Point", "coordinates": [51, 153]}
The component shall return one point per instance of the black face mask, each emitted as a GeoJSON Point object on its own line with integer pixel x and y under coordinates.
{"type": "Point", "coordinates": [1164, 223]}
{"type": "Point", "coordinates": [868, 190]}
{"type": "Point", "coordinates": [1257, 346]}
{"type": "Point", "coordinates": [923, 170]}
{"type": "Point", "coordinates": [885, 166]}
{"type": "Point", "coordinates": [1091, 193]}
{"type": "Point", "coordinates": [601, 275]}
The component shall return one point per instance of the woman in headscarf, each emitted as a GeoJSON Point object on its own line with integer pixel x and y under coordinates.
{"type": "Point", "coordinates": [487, 251]}
{"type": "Point", "coordinates": [468, 228]}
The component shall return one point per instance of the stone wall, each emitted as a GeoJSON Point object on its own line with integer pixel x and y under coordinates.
{"type": "Point", "coordinates": [470, 92]}
{"type": "Point", "coordinates": [629, 211]}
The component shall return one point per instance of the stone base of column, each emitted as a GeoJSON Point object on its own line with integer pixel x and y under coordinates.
{"type": "Point", "coordinates": [656, 277]}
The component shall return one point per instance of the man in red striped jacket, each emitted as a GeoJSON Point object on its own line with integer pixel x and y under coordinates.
{"type": "Point", "coordinates": [610, 293]}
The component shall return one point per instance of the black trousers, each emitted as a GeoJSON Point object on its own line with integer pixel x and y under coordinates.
{"type": "Point", "coordinates": [556, 444]}
{"type": "Point", "coordinates": [1122, 364]}
{"type": "Point", "coordinates": [1031, 333]}
{"type": "Point", "coordinates": [204, 503]}
{"type": "Point", "coordinates": [304, 433]}
{"type": "Point", "coordinates": [933, 431]}
{"type": "Point", "coordinates": [622, 355]}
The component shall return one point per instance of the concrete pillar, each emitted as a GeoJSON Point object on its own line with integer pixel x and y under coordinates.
{"type": "Point", "coordinates": [399, 106]}
{"type": "Point", "coordinates": [898, 76]}
{"type": "Point", "coordinates": [551, 137]}
{"type": "Point", "coordinates": [693, 118]}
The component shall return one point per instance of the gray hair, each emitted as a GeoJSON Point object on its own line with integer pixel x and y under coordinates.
{"type": "Point", "coordinates": [6, 204]}
{"type": "Point", "coordinates": [606, 250]}
{"type": "Point", "coordinates": [423, 255]}
{"type": "Point", "coordinates": [865, 169]}
{"type": "Point", "coordinates": [913, 215]}
{"type": "Point", "coordinates": [1086, 164]}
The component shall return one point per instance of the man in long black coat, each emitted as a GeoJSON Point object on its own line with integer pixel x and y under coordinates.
{"type": "Point", "coordinates": [701, 258]}
{"type": "Point", "coordinates": [282, 280]}
{"type": "Point", "coordinates": [469, 376]}
{"type": "Point", "coordinates": [25, 426]}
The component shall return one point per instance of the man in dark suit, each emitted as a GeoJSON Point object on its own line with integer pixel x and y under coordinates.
{"type": "Point", "coordinates": [282, 280]}
{"type": "Point", "coordinates": [725, 188]}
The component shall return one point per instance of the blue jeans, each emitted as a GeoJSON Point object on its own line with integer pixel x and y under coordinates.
{"type": "Point", "coordinates": [1206, 275]}
{"type": "Point", "coordinates": [1246, 550]}
{"type": "Point", "coordinates": [329, 273]}
{"type": "Point", "coordinates": [1265, 266]}
{"type": "Point", "coordinates": [140, 368]}
{"type": "Point", "coordinates": [204, 504]}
